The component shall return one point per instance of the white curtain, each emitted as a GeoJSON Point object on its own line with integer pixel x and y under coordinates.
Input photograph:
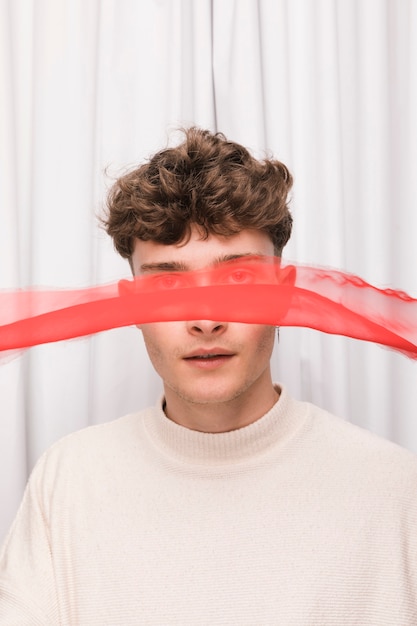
{"type": "Point", "coordinates": [327, 86]}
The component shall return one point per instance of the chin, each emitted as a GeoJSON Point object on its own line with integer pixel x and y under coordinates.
{"type": "Point", "coordinates": [209, 396]}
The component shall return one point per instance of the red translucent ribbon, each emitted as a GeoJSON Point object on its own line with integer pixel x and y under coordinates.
{"type": "Point", "coordinates": [254, 291]}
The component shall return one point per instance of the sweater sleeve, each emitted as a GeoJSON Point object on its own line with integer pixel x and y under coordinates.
{"type": "Point", "coordinates": [27, 582]}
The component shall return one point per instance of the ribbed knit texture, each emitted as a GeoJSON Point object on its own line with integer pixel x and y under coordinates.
{"type": "Point", "coordinates": [299, 519]}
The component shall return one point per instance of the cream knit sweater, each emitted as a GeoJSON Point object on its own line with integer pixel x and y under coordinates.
{"type": "Point", "coordinates": [298, 519]}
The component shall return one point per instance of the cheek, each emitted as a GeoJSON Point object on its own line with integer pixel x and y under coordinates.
{"type": "Point", "coordinates": [160, 338]}
{"type": "Point", "coordinates": [263, 339]}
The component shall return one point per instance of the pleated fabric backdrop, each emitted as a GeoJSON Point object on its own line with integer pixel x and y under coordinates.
{"type": "Point", "coordinates": [89, 88]}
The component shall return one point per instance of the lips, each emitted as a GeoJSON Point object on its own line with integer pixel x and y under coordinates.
{"type": "Point", "coordinates": [209, 359]}
{"type": "Point", "coordinates": [205, 354]}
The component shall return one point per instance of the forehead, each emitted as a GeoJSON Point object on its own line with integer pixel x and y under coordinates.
{"type": "Point", "coordinates": [199, 253]}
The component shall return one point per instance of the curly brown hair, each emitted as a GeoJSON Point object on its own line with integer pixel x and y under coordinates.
{"type": "Point", "coordinates": [206, 181]}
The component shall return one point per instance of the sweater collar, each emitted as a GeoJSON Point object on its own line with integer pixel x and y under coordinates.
{"type": "Point", "coordinates": [271, 430]}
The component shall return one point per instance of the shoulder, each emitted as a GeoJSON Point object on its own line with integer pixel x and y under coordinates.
{"type": "Point", "coordinates": [347, 434]}
{"type": "Point", "coordinates": [112, 431]}
{"type": "Point", "coordinates": [359, 455]}
{"type": "Point", "coordinates": [96, 446]}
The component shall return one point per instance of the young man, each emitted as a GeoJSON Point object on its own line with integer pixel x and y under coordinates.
{"type": "Point", "coordinates": [228, 502]}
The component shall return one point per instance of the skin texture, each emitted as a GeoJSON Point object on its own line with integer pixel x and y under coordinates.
{"type": "Point", "coordinates": [239, 390]}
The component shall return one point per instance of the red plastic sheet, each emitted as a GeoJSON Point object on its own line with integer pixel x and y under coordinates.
{"type": "Point", "coordinates": [254, 291]}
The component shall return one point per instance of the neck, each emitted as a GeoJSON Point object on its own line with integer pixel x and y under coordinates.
{"type": "Point", "coordinates": [221, 417]}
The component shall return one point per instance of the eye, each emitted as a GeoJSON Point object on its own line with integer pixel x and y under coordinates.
{"type": "Point", "coordinates": [169, 281]}
{"type": "Point", "coordinates": [239, 277]}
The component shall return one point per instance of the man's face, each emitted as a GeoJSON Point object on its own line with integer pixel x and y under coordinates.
{"type": "Point", "coordinates": [177, 349]}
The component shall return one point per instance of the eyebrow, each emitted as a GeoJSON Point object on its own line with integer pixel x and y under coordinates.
{"type": "Point", "coordinates": [179, 266]}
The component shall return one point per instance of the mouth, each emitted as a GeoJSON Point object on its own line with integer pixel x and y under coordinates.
{"type": "Point", "coordinates": [207, 356]}
{"type": "Point", "coordinates": [209, 360]}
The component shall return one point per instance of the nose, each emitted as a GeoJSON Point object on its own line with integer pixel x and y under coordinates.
{"type": "Point", "coordinates": [206, 327]}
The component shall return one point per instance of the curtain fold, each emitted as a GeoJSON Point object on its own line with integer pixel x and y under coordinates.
{"type": "Point", "coordinates": [88, 89]}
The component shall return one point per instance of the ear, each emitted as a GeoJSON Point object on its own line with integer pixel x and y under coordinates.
{"type": "Point", "coordinates": [288, 275]}
{"type": "Point", "coordinates": [126, 288]}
